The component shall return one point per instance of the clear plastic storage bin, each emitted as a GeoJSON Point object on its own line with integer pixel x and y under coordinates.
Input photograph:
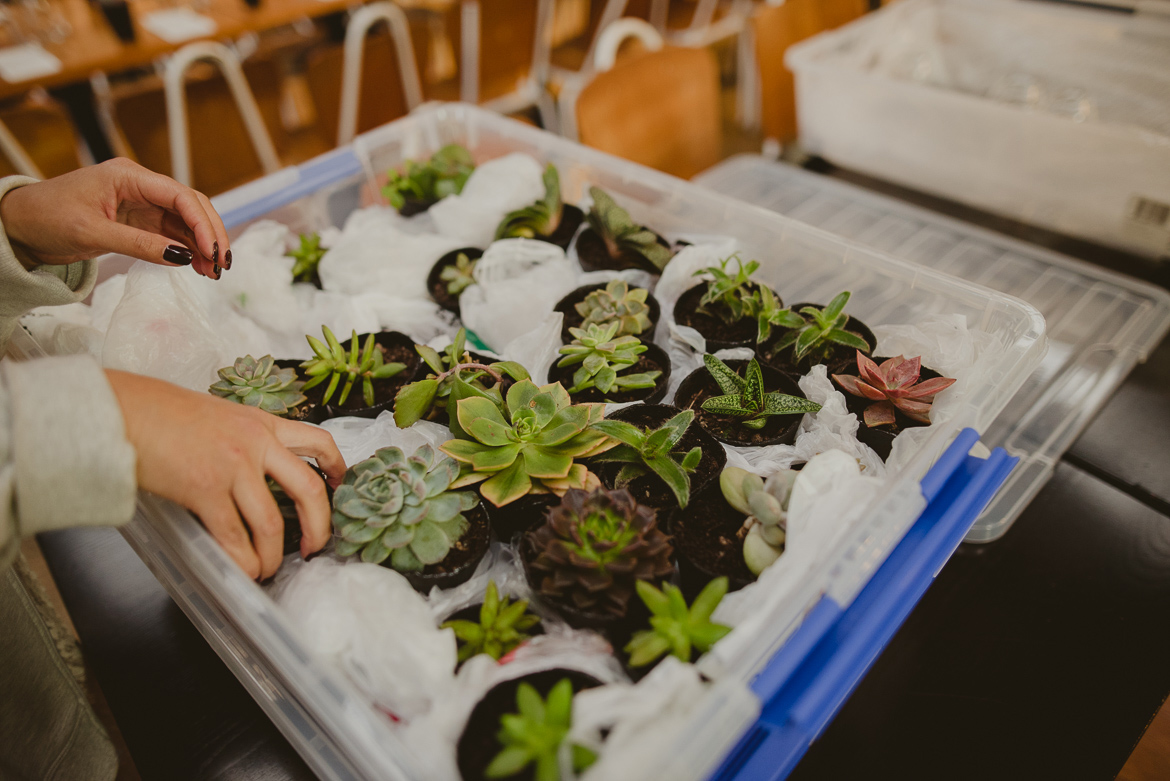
{"type": "Point", "coordinates": [1049, 114]}
{"type": "Point", "coordinates": [1100, 324]}
{"type": "Point", "coordinates": [343, 736]}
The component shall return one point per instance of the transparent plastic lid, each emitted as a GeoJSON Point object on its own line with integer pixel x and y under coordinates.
{"type": "Point", "coordinates": [1100, 324]}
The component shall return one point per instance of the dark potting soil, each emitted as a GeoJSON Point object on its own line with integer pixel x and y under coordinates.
{"type": "Point", "coordinates": [567, 306]}
{"type": "Point", "coordinates": [461, 561]}
{"type": "Point", "coordinates": [837, 357]}
{"type": "Point", "coordinates": [438, 287]}
{"type": "Point", "coordinates": [709, 544]}
{"type": "Point", "coordinates": [649, 489]}
{"type": "Point", "coordinates": [881, 438]}
{"type": "Point", "coordinates": [519, 516]}
{"type": "Point", "coordinates": [396, 347]}
{"type": "Point", "coordinates": [654, 359]}
{"type": "Point", "coordinates": [478, 745]}
{"type": "Point", "coordinates": [699, 386]}
{"type": "Point", "coordinates": [571, 219]}
{"type": "Point", "coordinates": [413, 206]}
{"type": "Point", "coordinates": [593, 255]}
{"type": "Point", "coordinates": [720, 335]}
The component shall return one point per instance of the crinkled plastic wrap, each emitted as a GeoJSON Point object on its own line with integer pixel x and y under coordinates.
{"type": "Point", "coordinates": [359, 438]}
{"type": "Point", "coordinates": [496, 188]}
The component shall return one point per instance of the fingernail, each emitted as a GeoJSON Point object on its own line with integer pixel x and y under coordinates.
{"type": "Point", "coordinates": [180, 256]}
{"type": "Point", "coordinates": [215, 252]}
{"type": "Point", "coordinates": [215, 270]}
{"type": "Point", "coordinates": [227, 259]}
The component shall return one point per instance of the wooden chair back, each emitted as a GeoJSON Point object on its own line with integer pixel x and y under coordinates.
{"type": "Point", "coordinates": [45, 134]}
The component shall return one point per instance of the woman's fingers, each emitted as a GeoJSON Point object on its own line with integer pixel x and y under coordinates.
{"type": "Point", "coordinates": [258, 507]}
{"type": "Point", "coordinates": [166, 192]}
{"type": "Point", "coordinates": [221, 519]}
{"type": "Point", "coordinates": [315, 443]}
{"type": "Point", "coordinates": [144, 245]}
{"type": "Point", "coordinates": [225, 251]}
{"type": "Point", "coordinates": [172, 226]}
{"type": "Point", "coordinates": [306, 489]}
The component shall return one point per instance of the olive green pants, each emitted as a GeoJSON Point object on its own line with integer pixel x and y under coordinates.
{"type": "Point", "coordinates": [48, 731]}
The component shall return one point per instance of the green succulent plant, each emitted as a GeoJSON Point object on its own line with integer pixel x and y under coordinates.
{"type": "Point", "coordinates": [619, 303]}
{"type": "Point", "coordinates": [444, 174]}
{"type": "Point", "coordinates": [746, 398]}
{"type": "Point", "coordinates": [619, 232]}
{"type": "Point", "coordinates": [531, 446]}
{"type": "Point", "coordinates": [460, 276]}
{"type": "Point", "coordinates": [765, 308]}
{"type": "Point", "coordinates": [454, 375]}
{"type": "Point", "coordinates": [728, 294]}
{"type": "Point", "coordinates": [332, 363]}
{"type": "Point", "coordinates": [503, 626]}
{"type": "Point", "coordinates": [766, 506]}
{"type": "Point", "coordinates": [392, 506]}
{"type": "Point", "coordinates": [534, 734]}
{"type": "Point", "coordinates": [258, 383]}
{"type": "Point", "coordinates": [308, 257]}
{"type": "Point", "coordinates": [594, 546]}
{"type": "Point", "coordinates": [820, 329]}
{"type": "Point", "coordinates": [603, 359]}
{"type": "Point", "coordinates": [675, 628]}
{"type": "Point", "coordinates": [542, 218]}
{"type": "Point", "coordinates": [644, 451]}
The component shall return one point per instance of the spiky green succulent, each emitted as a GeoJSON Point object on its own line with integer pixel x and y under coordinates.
{"type": "Point", "coordinates": [533, 735]}
{"type": "Point", "coordinates": [594, 546]}
{"type": "Point", "coordinates": [644, 450]}
{"type": "Point", "coordinates": [619, 232]}
{"type": "Point", "coordinates": [532, 445]}
{"type": "Point", "coordinates": [820, 329]}
{"type": "Point", "coordinates": [392, 506]}
{"type": "Point", "coordinates": [332, 363]}
{"type": "Point", "coordinates": [728, 294]}
{"type": "Point", "coordinates": [604, 359]}
{"type": "Point", "coordinates": [745, 398]}
{"type": "Point", "coordinates": [542, 218]}
{"type": "Point", "coordinates": [502, 627]}
{"type": "Point", "coordinates": [619, 303]}
{"type": "Point", "coordinates": [765, 503]}
{"type": "Point", "coordinates": [675, 628]}
{"type": "Point", "coordinates": [445, 173]}
{"type": "Point", "coordinates": [459, 276]}
{"type": "Point", "coordinates": [308, 257]}
{"type": "Point", "coordinates": [764, 307]}
{"type": "Point", "coordinates": [258, 383]}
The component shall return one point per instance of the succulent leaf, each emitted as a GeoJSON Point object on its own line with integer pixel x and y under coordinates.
{"type": "Point", "coordinates": [893, 386]}
{"type": "Point", "coordinates": [534, 734]}
{"type": "Point", "coordinates": [257, 383]}
{"type": "Point", "coordinates": [619, 232]}
{"type": "Point", "coordinates": [540, 218]}
{"type": "Point", "coordinates": [617, 303]}
{"type": "Point", "coordinates": [766, 505]}
{"type": "Point", "coordinates": [750, 401]}
{"type": "Point", "coordinates": [654, 450]}
{"type": "Point", "coordinates": [675, 628]}
{"type": "Point", "coordinates": [444, 174]}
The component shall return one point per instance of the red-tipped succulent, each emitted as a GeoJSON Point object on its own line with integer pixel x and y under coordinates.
{"type": "Point", "coordinates": [893, 386]}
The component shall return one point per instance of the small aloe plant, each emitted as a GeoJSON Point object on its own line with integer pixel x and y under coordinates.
{"type": "Point", "coordinates": [533, 735]}
{"type": "Point", "coordinates": [444, 174]}
{"type": "Point", "coordinates": [332, 363]}
{"type": "Point", "coordinates": [308, 257]}
{"type": "Point", "coordinates": [603, 359]}
{"type": "Point", "coordinates": [675, 628]}
{"type": "Point", "coordinates": [893, 387]}
{"type": "Point", "coordinates": [503, 626]}
{"type": "Point", "coordinates": [541, 218]}
{"type": "Point", "coordinates": [765, 308]}
{"type": "Point", "coordinates": [728, 295]}
{"type": "Point", "coordinates": [619, 232]}
{"type": "Point", "coordinates": [766, 506]}
{"type": "Point", "coordinates": [460, 276]}
{"type": "Point", "coordinates": [257, 383]}
{"type": "Point", "coordinates": [746, 398]}
{"type": "Point", "coordinates": [821, 328]}
{"type": "Point", "coordinates": [617, 302]}
{"type": "Point", "coordinates": [647, 451]}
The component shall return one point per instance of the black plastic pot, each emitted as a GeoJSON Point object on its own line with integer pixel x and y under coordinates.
{"type": "Point", "coordinates": [719, 335]}
{"type": "Point", "coordinates": [708, 544]}
{"type": "Point", "coordinates": [838, 358]}
{"type": "Point", "coordinates": [649, 489]}
{"type": "Point", "coordinates": [412, 206]}
{"type": "Point", "coordinates": [397, 347]}
{"type": "Point", "coordinates": [881, 438]}
{"type": "Point", "coordinates": [567, 307]}
{"type": "Point", "coordinates": [519, 516]}
{"type": "Point", "coordinates": [655, 358]}
{"type": "Point", "coordinates": [438, 288]}
{"type": "Point", "coordinates": [479, 744]}
{"type": "Point", "coordinates": [461, 562]}
{"type": "Point", "coordinates": [699, 386]}
{"type": "Point", "coordinates": [288, 511]}
{"type": "Point", "coordinates": [593, 255]}
{"type": "Point", "coordinates": [571, 219]}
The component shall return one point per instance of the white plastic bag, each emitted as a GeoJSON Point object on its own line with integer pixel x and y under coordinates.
{"type": "Point", "coordinates": [496, 188]}
{"type": "Point", "coordinates": [359, 438]}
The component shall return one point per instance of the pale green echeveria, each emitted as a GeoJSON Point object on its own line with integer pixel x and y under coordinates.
{"type": "Point", "coordinates": [258, 383]}
{"type": "Point", "coordinates": [401, 508]}
{"type": "Point", "coordinates": [766, 505]}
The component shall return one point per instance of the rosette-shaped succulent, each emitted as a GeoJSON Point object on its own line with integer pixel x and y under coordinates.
{"type": "Point", "coordinates": [893, 387]}
{"type": "Point", "coordinates": [619, 303]}
{"type": "Point", "coordinates": [258, 383]}
{"type": "Point", "coordinates": [594, 547]}
{"type": "Point", "coordinates": [402, 508]}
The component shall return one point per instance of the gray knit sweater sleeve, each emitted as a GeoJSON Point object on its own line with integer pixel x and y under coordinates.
{"type": "Point", "coordinates": [64, 456]}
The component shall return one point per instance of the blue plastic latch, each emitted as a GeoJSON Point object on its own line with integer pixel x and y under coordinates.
{"type": "Point", "coordinates": [813, 674]}
{"type": "Point", "coordinates": [310, 178]}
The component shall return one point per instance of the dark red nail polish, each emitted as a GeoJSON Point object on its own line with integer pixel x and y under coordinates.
{"type": "Point", "coordinates": [227, 259]}
{"type": "Point", "coordinates": [215, 252]}
{"type": "Point", "coordinates": [180, 256]}
{"type": "Point", "coordinates": [216, 270]}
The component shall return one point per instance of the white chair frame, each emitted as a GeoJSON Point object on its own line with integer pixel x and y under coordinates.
{"type": "Point", "coordinates": [355, 47]}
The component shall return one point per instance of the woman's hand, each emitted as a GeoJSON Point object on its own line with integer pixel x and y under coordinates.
{"type": "Point", "coordinates": [117, 206]}
{"type": "Point", "coordinates": [212, 456]}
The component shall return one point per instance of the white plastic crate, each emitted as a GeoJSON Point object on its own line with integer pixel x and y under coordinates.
{"type": "Point", "coordinates": [338, 730]}
{"type": "Point", "coordinates": [1049, 114]}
